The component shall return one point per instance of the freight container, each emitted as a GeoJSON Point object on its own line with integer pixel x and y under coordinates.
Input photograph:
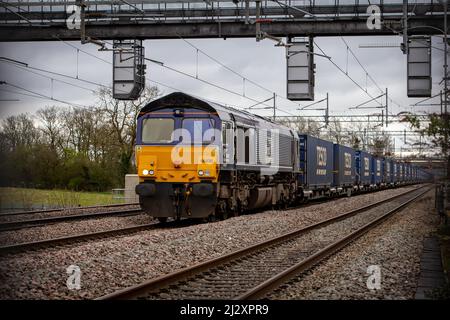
{"type": "Point", "coordinates": [396, 171]}
{"type": "Point", "coordinates": [363, 168]}
{"type": "Point", "coordinates": [376, 170]}
{"type": "Point", "coordinates": [407, 165]}
{"type": "Point", "coordinates": [383, 169]}
{"type": "Point", "coordinates": [316, 163]}
{"type": "Point", "coordinates": [344, 166]}
{"type": "Point", "coordinates": [388, 171]}
{"type": "Point", "coordinates": [401, 172]}
{"type": "Point", "coordinates": [409, 172]}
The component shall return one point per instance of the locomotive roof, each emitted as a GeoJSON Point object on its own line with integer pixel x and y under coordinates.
{"type": "Point", "coordinates": [184, 100]}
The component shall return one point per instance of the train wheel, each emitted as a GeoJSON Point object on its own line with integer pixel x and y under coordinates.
{"type": "Point", "coordinates": [222, 215]}
{"type": "Point", "coordinates": [162, 219]}
{"type": "Point", "coordinates": [222, 210]}
{"type": "Point", "coordinates": [237, 211]}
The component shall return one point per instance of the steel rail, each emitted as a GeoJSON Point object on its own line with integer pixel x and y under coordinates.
{"type": "Point", "coordinates": [274, 282]}
{"type": "Point", "coordinates": [40, 244]}
{"type": "Point", "coordinates": [14, 225]}
{"type": "Point", "coordinates": [60, 241]}
{"type": "Point", "coordinates": [15, 213]}
{"type": "Point", "coordinates": [185, 273]}
{"type": "Point", "coordinates": [32, 245]}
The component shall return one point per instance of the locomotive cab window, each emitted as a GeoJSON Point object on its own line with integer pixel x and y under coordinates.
{"type": "Point", "coordinates": [201, 130]}
{"type": "Point", "coordinates": [157, 130]}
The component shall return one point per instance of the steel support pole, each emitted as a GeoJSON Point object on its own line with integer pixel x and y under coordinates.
{"type": "Point", "coordinates": [445, 58]}
{"type": "Point", "coordinates": [274, 106]}
{"type": "Point", "coordinates": [405, 27]}
{"type": "Point", "coordinates": [258, 24]}
{"type": "Point", "coordinates": [387, 108]}
{"type": "Point", "coordinates": [446, 93]}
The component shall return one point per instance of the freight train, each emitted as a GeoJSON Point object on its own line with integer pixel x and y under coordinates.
{"type": "Point", "coordinates": [199, 159]}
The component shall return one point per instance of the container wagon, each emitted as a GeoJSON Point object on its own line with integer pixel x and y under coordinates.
{"type": "Point", "coordinates": [396, 172]}
{"type": "Point", "coordinates": [376, 172]}
{"type": "Point", "coordinates": [409, 166]}
{"type": "Point", "coordinates": [316, 167]}
{"type": "Point", "coordinates": [401, 173]}
{"type": "Point", "coordinates": [388, 171]}
{"type": "Point", "coordinates": [363, 169]}
{"type": "Point", "coordinates": [344, 175]}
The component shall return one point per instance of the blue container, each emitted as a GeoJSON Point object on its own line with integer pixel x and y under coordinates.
{"type": "Point", "coordinates": [388, 170]}
{"type": "Point", "coordinates": [401, 172]}
{"type": "Point", "coordinates": [344, 166]}
{"type": "Point", "coordinates": [363, 168]}
{"type": "Point", "coordinates": [377, 170]}
{"type": "Point", "coordinates": [316, 163]}
{"type": "Point", "coordinates": [396, 171]}
{"type": "Point", "coordinates": [422, 175]}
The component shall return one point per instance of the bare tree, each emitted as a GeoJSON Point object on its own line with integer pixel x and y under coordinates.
{"type": "Point", "coordinates": [302, 125]}
{"type": "Point", "coordinates": [335, 132]}
{"type": "Point", "coordinates": [51, 126]}
{"type": "Point", "coordinates": [19, 131]}
{"type": "Point", "coordinates": [122, 117]}
{"type": "Point", "coordinates": [380, 143]}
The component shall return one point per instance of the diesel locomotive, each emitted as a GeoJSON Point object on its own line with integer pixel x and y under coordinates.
{"type": "Point", "coordinates": [199, 159]}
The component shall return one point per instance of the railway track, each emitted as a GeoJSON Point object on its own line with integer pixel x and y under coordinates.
{"type": "Point", "coordinates": [61, 241]}
{"type": "Point", "coordinates": [14, 225]}
{"type": "Point", "coordinates": [30, 212]}
{"type": "Point", "coordinates": [252, 272]}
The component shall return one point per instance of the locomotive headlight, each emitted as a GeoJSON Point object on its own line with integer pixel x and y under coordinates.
{"type": "Point", "coordinates": [151, 172]}
{"type": "Point", "coordinates": [145, 172]}
{"type": "Point", "coordinates": [200, 172]}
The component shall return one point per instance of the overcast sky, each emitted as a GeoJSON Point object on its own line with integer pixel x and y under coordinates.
{"type": "Point", "coordinates": [261, 62]}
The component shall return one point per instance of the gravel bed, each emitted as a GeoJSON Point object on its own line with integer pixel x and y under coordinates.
{"type": "Point", "coordinates": [111, 264]}
{"type": "Point", "coordinates": [63, 229]}
{"type": "Point", "coordinates": [63, 212]}
{"type": "Point", "coordinates": [395, 246]}
{"type": "Point", "coordinates": [239, 276]}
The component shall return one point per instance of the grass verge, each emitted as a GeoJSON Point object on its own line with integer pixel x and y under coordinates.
{"type": "Point", "coordinates": [27, 199]}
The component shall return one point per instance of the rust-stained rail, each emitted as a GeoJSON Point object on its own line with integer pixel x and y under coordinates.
{"type": "Point", "coordinates": [13, 225]}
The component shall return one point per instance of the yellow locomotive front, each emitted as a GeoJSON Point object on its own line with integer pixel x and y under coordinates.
{"type": "Point", "coordinates": [177, 152]}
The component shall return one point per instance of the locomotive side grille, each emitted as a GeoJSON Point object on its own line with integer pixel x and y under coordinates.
{"type": "Point", "coordinates": [258, 140]}
{"type": "Point", "coordinates": [285, 152]}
